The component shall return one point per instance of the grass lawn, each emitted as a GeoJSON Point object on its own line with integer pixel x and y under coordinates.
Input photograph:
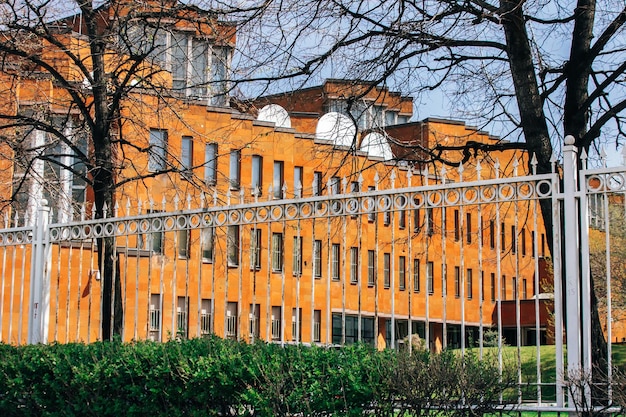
{"type": "Point", "coordinates": [528, 359]}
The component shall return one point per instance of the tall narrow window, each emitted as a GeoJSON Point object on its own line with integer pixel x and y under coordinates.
{"type": "Point", "coordinates": [335, 262]}
{"type": "Point", "coordinates": [515, 289]}
{"type": "Point", "coordinates": [355, 187]}
{"type": "Point", "coordinates": [354, 265]}
{"type": "Point", "coordinates": [199, 65]}
{"type": "Point", "coordinates": [255, 249]}
{"type": "Point", "coordinates": [417, 225]}
{"type": "Point", "coordinates": [402, 213]}
{"type": "Point", "coordinates": [523, 241]}
{"type": "Point", "coordinates": [402, 273]}
{"type": "Point", "coordinates": [298, 179]}
{"type": "Point", "coordinates": [387, 270]}
{"type": "Point", "coordinates": [297, 256]}
{"type": "Point", "coordinates": [543, 245]}
{"type": "Point", "coordinates": [158, 150]}
{"type": "Point", "coordinates": [210, 163]}
{"type": "Point", "coordinates": [457, 281]}
{"type": "Point", "coordinates": [235, 169]}
{"type": "Point", "coordinates": [255, 321]}
{"type": "Point", "coordinates": [371, 268]}
{"type": "Point", "coordinates": [278, 179]}
{"type": "Point", "coordinates": [457, 226]}
{"type": "Point", "coordinates": [182, 317]}
{"type": "Point", "coordinates": [277, 252]}
{"type": "Point", "coordinates": [335, 185]}
{"type": "Point", "coordinates": [502, 237]}
{"type": "Point", "coordinates": [276, 322]}
{"type": "Point", "coordinates": [231, 320]}
{"type": "Point", "coordinates": [155, 317]}
{"type": "Point", "coordinates": [493, 287]}
{"type": "Point", "coordinates": [492, 234]}
{"type": "Point", "coordinates": [513, 239]}
{"type": "Point", "coordinates": [186, 155]}
{"type": "Point", "coordinates": [232, 245]}
{"type": "Point", "coordinates": [207, 244]}
{"type": "Point", "coordinates": [371, 215]}
{"type": "Point", "coordinates": [416, 275]}
{"type": "Point", "coordinates": [257, 175]}
{"type": "Point", "coordinates": [482, 285]}
{"type": "Point", "coordinates": [205, 317]}
{"type": "Point", "coordinates": [219, 77]}
{"type": "Point", "coordinates": [296, 324]}
{"type": "Point", "coordinates": [532, 243]}
{"type": "Point", "coordinates": [468, 227]}
{"type": "Point", "coordinates": [524, 289]}
{"type": "Point", "coordinates": [317, 259]}
{"type": "Point", "coordinates": [430, 278]}
{"type": "Point", "coordinates": [317, 325]}
{"type": "Point", "coordinates": [470, 284]}
{"type": "Point", "coordinates": [430, 222]}
{"type": "Point", "coordinates": [503, 295]}
{"type": "Point", "coordinates": [155, 239]}
{"type": "Point", "coordinates": [183, 243]}
{"type": "Point", "coordinates": [318, 183]}
{"type": "Point", "coordinates": [180, 61]}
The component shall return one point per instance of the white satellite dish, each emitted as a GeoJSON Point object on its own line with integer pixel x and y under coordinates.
{"type": "Point", "coordinates": [336, 127]}
{"type": "Point", "coordinates": [276, 114]}
{"type": "Point", "coordinates": [376, 144]}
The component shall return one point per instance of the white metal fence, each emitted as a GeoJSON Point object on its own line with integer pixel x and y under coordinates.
{"type": "Point", "coordinates": [462, 265]}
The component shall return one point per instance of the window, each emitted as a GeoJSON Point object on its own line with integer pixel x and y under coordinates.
{"type": "Point", "coordinates": [210, 163]}
{"type": "Point", "coordinates": [355, 187]}
{"type": "Point", "coordinates": [199, 64]}
{"type": "Point", "coordinates": [493, 287]}
{"type": "Point", "coordinates": [277, 252]}
{"type": "Point", "coordinates": [278, 179]}
{"type": "Point", "coordinates": [206, 322]}
{"type": "Point", "coordinates": [416, 220]}
{"type": "Point", "coordinates": [351, 331]}
{"type": "Point", "coordinates": [298, 181]}
{"type": "Point", "coordinates": [513, 239]}
{"type": "Point", "coordinates": [184, 243]}
{"type": "Point", "coordinates": [532, 243]}
{"type": "Point", "coordinates": [255, 249]}
{"type": "Point", "coordinates": [402, 273]}
{"type": "Point", "coordinates": [318, 183]}
{"type": "Point", "coordinates": [457, 226]}
{"type": "Point", "coordinates": [257, 175]}
{"type": "Point", "coordinates": [335, 266]}
{"type": "Point", "coordinates": [354, 265]}
{"type": "Point", "coordinates": [276, 322]}
{"type": "Point", "coordinates": [232, 245]}
{"type": "Point", "coordinates": [231, 320]}
{"type": "Point", "coordinates": [179, 61]}
{"type": "Point", "coordinates": [235, 169]}
{"type": "Point", "coordinates": [482, 285]}
{"type": "Point", "coordinates": [371, 268]}
{"type": "Point", "coordinates": [297, 256]}
{"type": "Point", "coordinates": [317, 325]}
{"type": "Point", "coordinates": [155, 317]}
{"type": "Point", "coordinates": [503, 295]}
{"type": "Point", "coordinates": [430, 278]}
{"type": "Point", "coordinates": [470, 285]}
{"type": "Point", "coordinates": [492, 234]}
{"type": "Point", "coordinates": [502, 237]}
{"type": "Point", "coordinates": [430, 222]}
{"type": "Point", "coordinates": [387, 270]}
{"type": "Point", "coordinates": [371, 216]}
{"type": "Point", "coordinates": [524, 289]}
{"type": "Point", "coordinates": [155, 239]}
{"type": "Point", "coordinates": [157, 158]}
{"type": "Point", "coordinates": [317, 259]}
{"type": "Point", "coordinates": [457, 281]}
{"type": "Point", "coordinates": [219, 76]}
{"type": "Point", "coordinates": [254, 325]}
{"type": "Point", "coordinates": [515, 289]}
{"type": "Point", "coordinates": [207, 244]}
{"type": "Point", "coordinates": [386, 217]}
{"type": "Point", "coordinates": [402, 213]}
{"type": "Point", "coordinates": [186, 155]}
{"type": "Point", "coordinates": [416, 275]}
{"type": "Point", "coordinates": [296, 324]}
{"type": "Point", "coordinates": [468, 227]}
{"type": "Point", "coordinates": [182, 317]}
{"type": "Point", "coordinates": [543, 245]}
{"type": "Point", "coordinates": [335, 186]}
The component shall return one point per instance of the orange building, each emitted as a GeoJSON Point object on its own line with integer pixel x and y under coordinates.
{"type": "Point", "coordinates": [191, 168]}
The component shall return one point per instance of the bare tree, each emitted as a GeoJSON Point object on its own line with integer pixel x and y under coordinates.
{"type": "Point", "coordinates": [73, 87]}
{"type": "Point", "coordinates": [539, 69]}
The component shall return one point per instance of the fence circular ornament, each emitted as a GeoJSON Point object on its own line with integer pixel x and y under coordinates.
{"type": "Point", "coordinates": [131, 226]}
{"type": "Point", "coordinates": [157, 224]}
{"type": "Point", "coordinates": [276, 213]}
{"type": "Point", "coordinates": [262, 214]}
{"type": "Point", "coordinates": [169, 223]}
{"type": "Point", "coordinates": [19, 237]}
{"type": "Point", "coordinates": [506, 192]}
{"type": "Point", "coordinates": [220, 218]}
{"type": "Point", "coordinates": [234, 216]}
{"type": "Point", "coordinates": [384, 202]}
{"type": "Point", "coordinates": [595, 183]}
{"type": "Point", "coordinates": [336, 207]}
{"type": "Point", "coordinates": [249, 215]}
{"type": "Point", "coordinates": [321, 208]}
{"type": "Point", "coordinates": [120, 229]}
{"type": "Point", "coordinates": [615, 182]}
{"type": "Point", "coordinates": [194, 221]}
{"type": "Point", "coordinates": [352, 206]}
{"type": "Point", "coordinates": [98, 230]}
{"type": "Point", "coordinates": [543, 188]}
{"type": "Point", "coordinates": [401, 201]}
{"type": "Point", "coordinates": [434, 198]}
{"type": "Point", "coordinates": [181, 222]}
{"type": "Point", "coordinates": [109, 229]}
{"type": "Point", "coordinates": [306, 210]}
{"type": "Point", "coordinates": [144, 226]}
{"type": "Point", "coordinates": [488, 193]}
{"type": "Point", "coordinates": [452, 197]}
{"type": "Point", "coordinates": [470, 195]}
{"type": "Point", "coordinates": [291, 211]}
{"type": "Point", "coordinates": [417, 200]}
{"type": "Point", "coordinates": [525, 190]}
{"type": "Point", "coordinates": [77, 232]}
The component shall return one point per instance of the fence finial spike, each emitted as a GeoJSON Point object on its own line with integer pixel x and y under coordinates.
{"type": "Point", "coordinates": [515, 166]}
{"type": "Point", "coordinates": [83, 211]}
{"type": "Point", "coordinates": [163, 203]}
{"type": "Point", "coordinates": [392, 177]}
{"type": "Point", "coordinates": [496, 166]}
{"type": "Point", "coordinates": [344, 184]}
{"type": "Point", "coordinates": [188, 201]}
{"type": "Point", "coordinates": [228, 195]}
{"type": "Point", "coordinates": [409, 175]}
{"type": "Point", "coordinates": [128, 206]}
{"type": "Point", "coordinates": [215, 197]}
{"type": "Point", "coordinates": [461, 169]}
{"type": "Point", "coordinates": [299, 189]}
{"type": "Point", "coordinates": [533, 163]}
{"type": "Point", "coordinates": [176, 201]}
{"type": "Point", "coordinates": [139, 206]}
{"type": "Point", "coordinates": [202, 200]}
{"type": "Point", "coordinates": [479, 168]}
{"type": "Point", "coordinates": [242, 195]}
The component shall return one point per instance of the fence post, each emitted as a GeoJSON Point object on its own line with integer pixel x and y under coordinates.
{"type": "Point", "coordinates": [39, 311]}
{"type": "Point", "coordinates": [571, 259]}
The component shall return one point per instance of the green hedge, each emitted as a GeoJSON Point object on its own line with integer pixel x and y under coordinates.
{"type": "Point", "coordinates": [212, 376]}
